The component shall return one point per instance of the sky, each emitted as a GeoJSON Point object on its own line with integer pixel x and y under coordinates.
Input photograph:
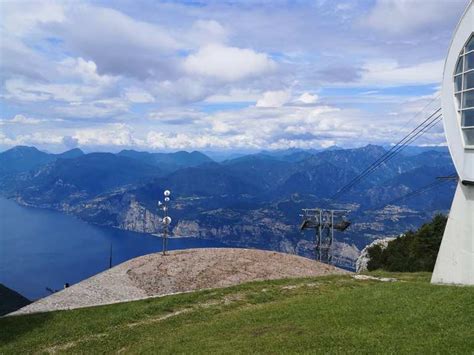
{"type": "Point", "coordinates": [220, 75]}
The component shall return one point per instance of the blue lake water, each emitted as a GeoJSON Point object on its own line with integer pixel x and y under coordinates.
{"type": "Point", "coordinates": [42, 248]}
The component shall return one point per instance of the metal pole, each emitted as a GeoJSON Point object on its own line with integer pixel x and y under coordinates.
{"type": "Point", "coordinates": [320, 234]}
{"type": "Point", "coordinates": [164, 229]}
{"type": "Point", "coordinates": [332, 237]}
{"type": "Point", "coordinates": [163, 247]}
{"type": "Point", "coordinates": [110, 257]}
{"type": "Point", "coordinates": [166, 220]}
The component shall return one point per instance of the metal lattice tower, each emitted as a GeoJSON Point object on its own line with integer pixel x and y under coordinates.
{"type": "Point", "coordinates": [324, 222]}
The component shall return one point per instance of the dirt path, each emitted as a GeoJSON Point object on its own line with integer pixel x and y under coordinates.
{"type": "Point", "coordinates": [180, 271]}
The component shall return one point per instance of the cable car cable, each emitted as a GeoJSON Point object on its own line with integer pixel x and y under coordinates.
{"type": "Point", "coordinates": [388, 154]}
{"type": "Point", "coordinates": [420, 129]}
{"type": "Point", "coordinates": [419, 191]}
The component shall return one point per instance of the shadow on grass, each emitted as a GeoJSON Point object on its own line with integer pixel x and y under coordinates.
{"type": "Point", "coordinates": [15, 327]}
{"type": "Point", "coordinates": [11, 300]}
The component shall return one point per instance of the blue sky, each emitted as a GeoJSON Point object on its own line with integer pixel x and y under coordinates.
{"type": "Point", "coordinates": [219, 75]}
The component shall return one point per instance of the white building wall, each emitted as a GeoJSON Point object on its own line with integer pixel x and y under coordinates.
{"type": "Point", "coordinates": [455, 262]}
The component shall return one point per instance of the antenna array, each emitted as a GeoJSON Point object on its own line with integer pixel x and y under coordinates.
{"type": "Point", "coordinates": [166, 221]}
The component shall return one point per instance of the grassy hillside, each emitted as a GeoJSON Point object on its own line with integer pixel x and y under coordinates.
{"type": "Point", "coordinates": [327, 314]}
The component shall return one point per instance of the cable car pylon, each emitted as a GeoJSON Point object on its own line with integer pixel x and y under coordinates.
{"type": "Point", "coordinates": [324, 222]}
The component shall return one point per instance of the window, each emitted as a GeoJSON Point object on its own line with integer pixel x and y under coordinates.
{"type": "Point", "coordinates": [469, 61]}
{"type": "Point", "coordinates": [458, 100]}
{"type": "Point", "coordinates": [470, 44]}
{"type": "Point", "coordinates": [458, 83]}
{"type": "Point", "coordinates": [468, 118]}
{"type": "Point", "coordinates": [464, 90]}
{"type": "Point", "coordinates": [469, 136]}
{"type": "Point", "coordinates": [459, 66]}
{"type": "Point", "coordinates": [468, 99]}
{"type": "Point", "coordinates": [468, 81]}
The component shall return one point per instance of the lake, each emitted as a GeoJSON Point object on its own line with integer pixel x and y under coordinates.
{"type": "Point", "coordinates": [43, 248]}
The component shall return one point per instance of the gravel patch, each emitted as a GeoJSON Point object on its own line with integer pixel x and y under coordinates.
{"type": "Point", "coordinates": [180, 271]}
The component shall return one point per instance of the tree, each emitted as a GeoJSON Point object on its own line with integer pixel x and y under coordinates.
{"type": "Point", "coordinates": [414, 251]}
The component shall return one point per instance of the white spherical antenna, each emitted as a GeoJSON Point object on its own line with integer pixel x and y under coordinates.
{"type": "Point", "coordinates": [167, 193]}
{"type": "Point", "coordinates": [167, 220]}
{"type": "Point", "coordinates": [160, 203]}
{"type": "Point", "coordinates": [167, 199]}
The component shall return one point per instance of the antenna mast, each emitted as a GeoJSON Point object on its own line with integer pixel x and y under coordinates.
{"type": "Point", "coordinates": [166, 221]}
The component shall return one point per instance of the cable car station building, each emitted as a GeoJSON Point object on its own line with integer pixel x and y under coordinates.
{"type": "Point", "coordinates": [455, 262]}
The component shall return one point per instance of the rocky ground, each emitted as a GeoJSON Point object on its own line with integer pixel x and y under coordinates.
{"type": "Point", "coordinates": [180, 271]}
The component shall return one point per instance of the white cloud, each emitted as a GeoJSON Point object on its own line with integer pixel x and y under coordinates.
{"type": "Point", "coordinates": [304, 126]}
{"type": "Point", "coordinates": [137, 95]}
{"type": "Point", "coordinates": [85, 71]}
{"type": "Point", "coordinates": [307, 98]}
{"type": "Point", "coordinates": [407, 16]}
{"type": "Point", "coordinates": [93, 109]}
{"type": "Point", "coordinates": [19, 59]}
{"type": "Point", "coordinates": [24, 90]}
{"type": "Point", "coordinates": [182, 91]}
{"type": "Point", "coordinates": [198, 65]}
{"type": "Point", "coordinates": [106, 135]}
{"type": "Point", "coordinates": [114, 134]}
{"type": "Point", "coordinates": [274, 98]}
{"type": "Point", "coordinates": [228, 63]}
{"type": "Point", "coordinates": [390, 73]}
{"type": "Point", "coordinates": [177, 117]}
{"type": "Point", "coordinates": [24, 120]}
{"type": "Point", "coordinates": [20, 21]}
{"type": "Point", "coordinates": [35, 138]}
{"type": "Point", "coordinates": [205, 32]}
{"type": "Point", "coordinates": [159, 140]}
{"type": "Point", "coordinates": [116, 42]}
{"type": "Point", "coordinates": [235, 95]}
{"type": "Point", "coordinates": [21, 119]}
{"type": "Point", "coordinates": [78, 81]}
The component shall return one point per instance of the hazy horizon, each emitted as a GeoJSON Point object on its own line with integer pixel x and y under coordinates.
{"type": "Point", "coordinates": [223, 152]}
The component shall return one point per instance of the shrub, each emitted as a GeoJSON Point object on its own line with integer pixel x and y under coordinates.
{"type": "Point", "coordinates": [414, 251]}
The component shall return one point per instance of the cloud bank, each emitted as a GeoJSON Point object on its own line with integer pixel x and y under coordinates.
{"type": "Point", "coordinates": [246, 75]}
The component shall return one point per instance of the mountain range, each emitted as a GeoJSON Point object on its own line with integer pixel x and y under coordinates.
{"type": "Point", "coordinates": [251, 200]}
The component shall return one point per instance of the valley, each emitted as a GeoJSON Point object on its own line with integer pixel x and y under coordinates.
{"type": "Point", "coordinates": [252, 200]}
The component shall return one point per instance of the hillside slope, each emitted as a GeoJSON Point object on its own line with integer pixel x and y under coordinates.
{"type": "Point", "coordinates": [333, 314]}
{"type": "Point", "coordinates": [11, 300]}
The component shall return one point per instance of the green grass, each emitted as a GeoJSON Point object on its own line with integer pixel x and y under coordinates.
{"type": "Point", "coordinates": [327, 315]}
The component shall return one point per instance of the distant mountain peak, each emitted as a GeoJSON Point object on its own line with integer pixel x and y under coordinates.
{"type": "Point", "coordinates": [72, 153]}
{"type": "Point", "coordinates": [22, 148]}
{"type": "Point", "coordinates": [334, 147]}
{"type": "Point", "coordinates": [371, 148]}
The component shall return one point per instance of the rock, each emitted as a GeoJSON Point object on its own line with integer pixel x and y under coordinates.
{"type": "Point", "coordinates": [368, 277]}
{"type": "Point", "coordinates": [138, 218]}
{"type": "Point", "coordinates": [344, 254]}
{"type": "Point", "coordinates": [186, 228]}
{"type": "Point", "coordinates": [363, 259]}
